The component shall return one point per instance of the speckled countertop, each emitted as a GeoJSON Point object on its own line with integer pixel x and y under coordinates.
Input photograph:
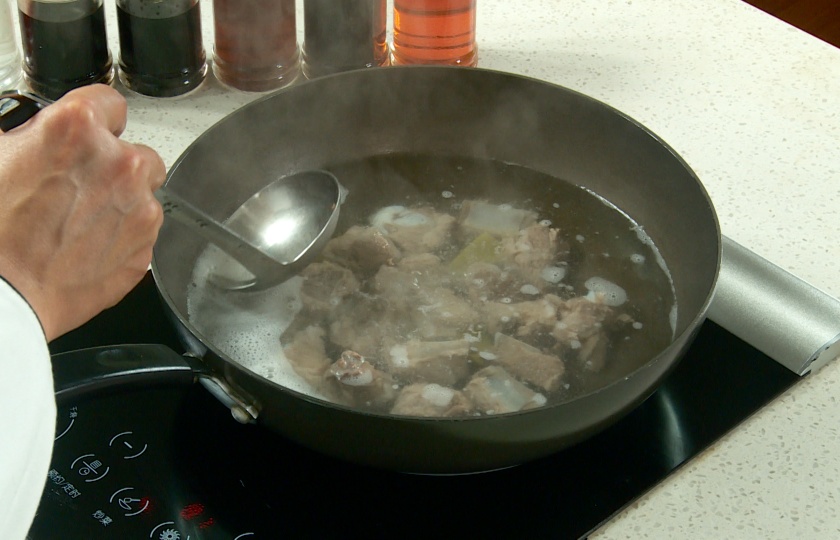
{"type": "Point", "coordinates": [753, 105]}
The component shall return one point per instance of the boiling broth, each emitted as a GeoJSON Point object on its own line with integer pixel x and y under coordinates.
{"type": "Point", "coordinates": [604, 246]}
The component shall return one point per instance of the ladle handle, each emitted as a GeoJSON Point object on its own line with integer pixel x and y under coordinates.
{"type": "Point", "coordinates": [257, 262]}
{"type": "Point", "coordinates": [18, 107]}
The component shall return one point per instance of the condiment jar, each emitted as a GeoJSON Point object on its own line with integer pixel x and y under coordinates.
{"type": "Point", "coordinates": [64, 45]}
{"type": "Point", "coordinates": [161, 49]}
{"type": "Point", "coordinates": [435, 32]}
{"type": "Point", "coordinates": [10, 66]}
{"type": "Point", "coordinates": [341, 35]}
{"type": "Point", "coordinates": [256, 43]}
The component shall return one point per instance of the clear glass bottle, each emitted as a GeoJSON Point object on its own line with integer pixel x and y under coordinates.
{"type": "Point", "coordinates": [161, 48]}
{"type": "Point", "coordinates": [341, 35]}
{"type": "Point", "coordinates": [64, 45]}
{"type": "Point", "coordinates": [10, 67]}
{"type": "Point", "coordinates": [256, 44]}
{"type": "Point", "coordinates": [435, 32]}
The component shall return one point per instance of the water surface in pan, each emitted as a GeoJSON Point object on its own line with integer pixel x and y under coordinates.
{"type": "Point", "coordinates": [600, 254]}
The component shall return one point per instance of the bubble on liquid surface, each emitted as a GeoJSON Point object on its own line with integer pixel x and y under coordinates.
{"type": "Point", "coordinates": [553, 274]}
{"type": "Point", "coordinates": [605, 291]}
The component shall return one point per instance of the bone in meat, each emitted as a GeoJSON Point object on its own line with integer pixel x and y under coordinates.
{"type": "Point", "coordinates": [358, 383]}
{"type": "Point", "coordinates": [442, 362]}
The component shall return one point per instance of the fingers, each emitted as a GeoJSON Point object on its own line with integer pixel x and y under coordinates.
{"type": "Point", "coordinates": [106, 106]}
{"type": "Point", "coordinates": [156, 169]}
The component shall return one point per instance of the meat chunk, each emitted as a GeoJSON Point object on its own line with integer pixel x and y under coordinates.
{"type": "Point", "coordinates": [397, 288]}
{"type": "Point", "coordinates": [442, 362]}
{"type": "Point", "coordinates": [363, 324]}
{"type": "Point", "coordinates": [493, 390]}
{"type": "Point", "coordinates": [441, 314]}
{"type": "Point", "coordinates": [363, 250]}
{"type": "Point", "coordinates": [307, 356]}
{"type": "Point", "coordinates": [583, 326]}
{"type": "Point", "coordinates": [325, 285]}
{"type": "Point", "coordinates": [580, 318]}
{"type": "Point", "coordinates": [420, 262]}
{"type": "Point", "coordinates": [593, 351]}
{"type": "Point", "coordinates": [530, 252]}
{"type": "Point", "coordinates": [529, 363]}
{"type": "Point", "coordinates": [527, 317]}
{"type": "Point", "coordinates": [414, 230]}
{"type": "Point", "coordinates": [355, 382]}
{"type": "Point", "coordinates": [431, 400]}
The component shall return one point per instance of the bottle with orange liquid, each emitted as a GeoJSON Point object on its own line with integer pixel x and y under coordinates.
{"type": "Point", "coordinates": [435, 32]}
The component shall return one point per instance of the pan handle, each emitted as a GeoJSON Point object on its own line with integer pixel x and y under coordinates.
{"type": "Point", "coordinates": [84, 371]}
{"type": "Point", "coordinates": [98, 369]}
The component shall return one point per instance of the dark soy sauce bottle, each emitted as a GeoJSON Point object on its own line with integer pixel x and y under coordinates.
{"type": "Point", "coordinates": [340, 35]}
{"type": "Point", "coordinates": [161, 49]}
{"type": "Point", "coordinates": [64, 45]}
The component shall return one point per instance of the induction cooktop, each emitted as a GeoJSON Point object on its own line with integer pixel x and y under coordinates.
{"type": "Point", "coordinates": [166, 461]}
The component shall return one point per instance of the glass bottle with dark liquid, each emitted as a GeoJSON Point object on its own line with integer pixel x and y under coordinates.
{"type": "Point", "coordinates": [435, 32]}
{"type": "Point", "coordinates": [256, 43]}
{"type": "Point", "coordinates": [340, 35]}
{"type": "Point", "coordinates": [64, 45]}
{"type": "Point", "coordinates": [161, 48]}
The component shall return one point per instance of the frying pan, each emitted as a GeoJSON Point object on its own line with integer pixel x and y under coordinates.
{"type": "Point", "coordinates": [440, 111]}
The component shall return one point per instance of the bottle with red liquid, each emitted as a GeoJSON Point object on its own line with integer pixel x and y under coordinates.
{"type": "Point", "coordinates": [256, 44]}
{"type": "Point", "coordinates": [341, 35]}
{"type": "Point", "coordinates": [435, 32]}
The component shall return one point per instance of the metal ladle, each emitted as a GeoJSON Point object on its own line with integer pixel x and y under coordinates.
{"type": "Point", "coordinates": [271, 237]}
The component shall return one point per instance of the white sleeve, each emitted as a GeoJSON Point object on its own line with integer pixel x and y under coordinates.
{"type": "Point", "coordinates": [27, 413]}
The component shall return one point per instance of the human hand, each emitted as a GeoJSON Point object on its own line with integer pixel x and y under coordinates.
{"type": "Point", "coordinates": [78, 217]}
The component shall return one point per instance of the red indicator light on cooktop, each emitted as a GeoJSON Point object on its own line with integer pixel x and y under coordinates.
{"type": "Point", "coordinates": [192, 511]}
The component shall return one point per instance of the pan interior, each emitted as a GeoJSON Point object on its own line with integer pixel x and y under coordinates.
{"type": "Point", "coordinates": [596, 241]}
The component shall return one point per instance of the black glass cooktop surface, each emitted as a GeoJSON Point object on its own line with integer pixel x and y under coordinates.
{"type": "Point", "coordinates": [167, 461]}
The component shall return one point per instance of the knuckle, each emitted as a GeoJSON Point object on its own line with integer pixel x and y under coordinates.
{"type": "Point", "coordinates": [74, 116]}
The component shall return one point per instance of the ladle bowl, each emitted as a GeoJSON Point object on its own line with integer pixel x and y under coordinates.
{"type": "Point", "coordinates": [272, 236]}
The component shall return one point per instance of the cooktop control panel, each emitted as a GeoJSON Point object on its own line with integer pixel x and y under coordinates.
{"type": "Point", "coordinates": [114, 473]}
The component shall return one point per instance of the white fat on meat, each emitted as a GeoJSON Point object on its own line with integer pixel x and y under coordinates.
{"type": "Point", "coordinates": [493, 390]}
